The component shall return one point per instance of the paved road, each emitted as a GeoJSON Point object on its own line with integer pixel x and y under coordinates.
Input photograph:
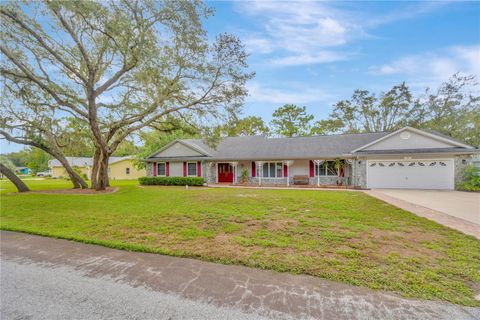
{"type": "Point", "coordinates": [31, 291]}
{"type": "Point", "coordinates": [44, 278]}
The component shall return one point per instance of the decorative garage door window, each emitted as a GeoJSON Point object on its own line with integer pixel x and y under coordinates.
{"type": "Point", "coordinates": [410, 164]}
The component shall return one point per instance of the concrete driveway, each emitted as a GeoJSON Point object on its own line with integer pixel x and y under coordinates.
{"type": "Point", "coordinates": [455, 209]}
{"type": "Point", "coordinates": [463, 205]}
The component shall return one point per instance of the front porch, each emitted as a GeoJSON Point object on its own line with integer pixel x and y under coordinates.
{"type": "Point", "coordinates": [285, 187]}
{"type": "Point", "coordinates": [328, 173]}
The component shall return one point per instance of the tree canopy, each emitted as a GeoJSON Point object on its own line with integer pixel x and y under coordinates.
{"type": "Point", "coordinates": [248, 126]}
{"type": "Point", "coordinates": [291, 120]}
{"type": "Point", "coordinates": [452, 109]}
{"type": "Point", "coordinates": [120, 66]}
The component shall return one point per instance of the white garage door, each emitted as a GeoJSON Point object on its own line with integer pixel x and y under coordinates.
{"type": "Point", "coordinates": [411, 174]}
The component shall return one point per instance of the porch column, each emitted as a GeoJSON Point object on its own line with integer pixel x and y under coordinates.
{"type": "Point", "coordinates": [288, 163]}
{"type": "Point", "coordinates": [351, 171]}
{"type": "Point", "coordinates": [317, 163]}
{"type": "Point", "coordinates": [216, 172]}
{"type": "Point", "coordinates": [260, 172]}
{"type": "Point", "coordinates": [234, 167]}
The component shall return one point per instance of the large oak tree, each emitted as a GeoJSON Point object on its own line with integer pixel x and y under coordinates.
{"type": "Point", "coordinates": [120, 66]}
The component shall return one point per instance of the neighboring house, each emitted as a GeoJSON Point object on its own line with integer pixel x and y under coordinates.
{"type": "Point", "coordinates": [23, 170]}
{"type": "Point", "coordinates": [118, 167]}
{"type": "Point", "coordinates": [406, 158]}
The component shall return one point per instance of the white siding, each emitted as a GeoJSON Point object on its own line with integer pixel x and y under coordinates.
{"type": "Point", "coordinates": [178, 150]}
{"type": "Point", "coordinates": [176, 169]}
{"type": "Point", "coordinates": [414, 141]}
{"type": "Point", "coordinates": [300, 168]}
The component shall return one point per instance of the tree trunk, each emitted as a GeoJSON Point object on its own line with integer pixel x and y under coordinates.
{"type": "Point", "coordinates": [21, 187]}
{"type": "Point", "coordinates": [77, 181]}
{"type": "Point", "coordinates": [100, 179]}
{"type": "Point", "coordinates": [93, 176]}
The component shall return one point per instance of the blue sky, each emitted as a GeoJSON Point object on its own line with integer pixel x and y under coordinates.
{"type": "Point", "coordinates": [316, 53]}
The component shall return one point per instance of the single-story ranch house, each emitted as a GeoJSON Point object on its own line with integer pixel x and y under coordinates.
{"type": "Point", "coordinates": [118, 167]}
{"type": "Point", "coordinates": [406, 158]}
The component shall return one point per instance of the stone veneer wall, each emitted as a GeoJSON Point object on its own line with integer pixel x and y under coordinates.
{"type": "Point", "coordinates": [209, 172]}
{"type": "Point", "coordinates": [324, 180]}
{"type": "Point", "coordinates": [279, 181]}
{"type": "Point", "coordinates": [149, 169]}
{"type": "Point", "coordinates": [359, 173]}
{"type": "Point", "coordinates": [459, 163]}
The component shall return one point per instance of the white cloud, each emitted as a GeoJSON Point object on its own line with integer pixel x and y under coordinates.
{"type": "Point", "coordinates": [312, 32]}
{"type": "Point", "coordinates": [321, 57]}
{"type": "Point", "coordinates": [470, 55]}
{"type": "Point", "coordinates": [258, 44]}
{"type": "Point", "coordinates": [296, 93]}
{"type": "Point", "coordinates": [434, 65]}
{"type": "Point", "coordinates": [409, 11]}
{"type": "Point", "coordinates": [298, 32]}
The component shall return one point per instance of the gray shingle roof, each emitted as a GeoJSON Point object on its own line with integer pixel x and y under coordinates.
{"type": "Point", "coordinates": [429, 150]}
{"type": "Point", "coordinates": [262, 148]}
{"type": "Point", "coordinates": [83, 161]}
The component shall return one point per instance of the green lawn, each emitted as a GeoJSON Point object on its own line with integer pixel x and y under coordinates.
{"type": "Point", "coordinates": [343, 236]}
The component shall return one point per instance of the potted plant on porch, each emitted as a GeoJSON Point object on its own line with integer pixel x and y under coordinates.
{"type": "Point", "coordinates": [339, 166]}
{"type": "Point", "coordinates": [244, 176]}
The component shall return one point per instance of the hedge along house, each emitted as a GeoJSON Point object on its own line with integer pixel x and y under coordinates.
{"type": "Point", "coordinates": [406, 158]}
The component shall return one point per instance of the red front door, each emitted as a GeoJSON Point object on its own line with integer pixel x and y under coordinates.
{"type": "Point", "coordinates": [225, 172]}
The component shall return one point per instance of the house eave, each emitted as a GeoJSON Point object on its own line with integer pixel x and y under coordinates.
{"type": "Point", "coordinates": [253, 158]}
{"type": "Point", "coordinates": [450, 151]}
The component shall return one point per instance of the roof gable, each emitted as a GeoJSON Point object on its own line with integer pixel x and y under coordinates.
{"type": "Point", "coordinates": [410, 138]}
{"type": "Point", "coordinates": [179, 148]}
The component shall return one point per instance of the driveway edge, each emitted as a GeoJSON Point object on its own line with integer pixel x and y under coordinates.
{"type": "Point", "coordinates": [459, 224]}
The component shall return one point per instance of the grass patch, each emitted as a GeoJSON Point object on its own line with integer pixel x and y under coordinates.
{"type": "Point", "coordinates": [343, 236]}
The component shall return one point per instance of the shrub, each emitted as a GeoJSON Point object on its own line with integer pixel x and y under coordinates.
{"type": "Point", "coordinates": [171, 181]}
{"type": "Point", "coordinates": [471, 179]}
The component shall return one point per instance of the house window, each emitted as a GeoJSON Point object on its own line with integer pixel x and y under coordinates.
{"type": "Point", "coordinates": [272, 170]}
{"type": "Point", "coordinates": [192, 169]}
{"type": "Point", "coordinates": [327, 168]}
{"type": "Point", "coordinates": [127, 170]}
{"type": "Point", "coordinates": [161, 169]}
